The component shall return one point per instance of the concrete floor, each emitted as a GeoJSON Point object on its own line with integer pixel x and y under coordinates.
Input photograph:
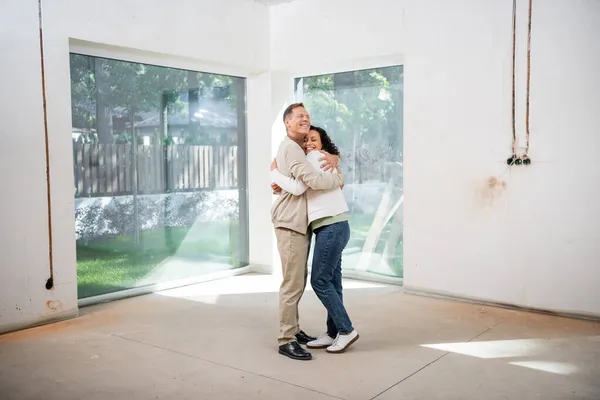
{"type": "Point", "coordinates": [217, 341]}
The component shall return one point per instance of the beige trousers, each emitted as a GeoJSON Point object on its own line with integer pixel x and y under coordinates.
{"type": "Point", "coordinates": [293, 250]}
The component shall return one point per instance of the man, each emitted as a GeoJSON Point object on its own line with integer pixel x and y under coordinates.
{"type": "Point", "coordinates": [290, 220]}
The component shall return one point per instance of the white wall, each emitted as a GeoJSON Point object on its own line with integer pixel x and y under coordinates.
{"type": "Point", "coordinates": [316, 36]}
{"type": "Point", "coordinates": [312, 37]}
{"type": "Point", "coordinates": [24, 264]}
{"type": "Point", "coordinates": [269, 94]}
{"type": "Point", "coordinates": [227, 34]}
{"type": "Point", "coordinates": [536, 243]}
{"type": "Point", "coordinates": [259, 154]}
{"type": "Point", "coordinates": [230, 37]}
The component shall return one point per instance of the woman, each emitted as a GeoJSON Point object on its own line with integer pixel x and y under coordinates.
{"type": "Point", "coordinates": [328, 218]}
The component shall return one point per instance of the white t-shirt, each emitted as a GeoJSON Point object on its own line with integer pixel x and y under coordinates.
{"type": "Point", "coordinates": [320, 203]}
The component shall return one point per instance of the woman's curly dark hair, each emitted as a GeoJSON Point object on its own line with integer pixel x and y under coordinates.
{"type": "Point", "coordinates": [328, 145]}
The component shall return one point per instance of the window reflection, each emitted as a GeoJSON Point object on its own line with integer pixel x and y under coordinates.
{"type": "Point", "coordinates": [362, 112]}
{"type": "Point", "coordinates": [159, 173]}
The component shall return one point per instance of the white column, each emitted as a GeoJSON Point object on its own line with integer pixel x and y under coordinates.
{"type": "Point", "coordinates": [268, 95]}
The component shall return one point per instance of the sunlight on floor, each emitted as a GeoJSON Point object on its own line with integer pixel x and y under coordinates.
{"type": "Point", "coordinates": [493, 349]}
{"type": "Point", "coordinates": [513, 349]}
{"type": "Point", "coordinates": [209, 292]}
{"type": "Point", "coordinates": [548, 366]}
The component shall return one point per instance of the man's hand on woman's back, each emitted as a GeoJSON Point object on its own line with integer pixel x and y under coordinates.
{"type": "Point", "coordinates": [330, 161]}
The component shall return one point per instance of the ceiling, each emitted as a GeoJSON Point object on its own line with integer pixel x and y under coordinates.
{"type": "Point", "coordinates": [272, 2]}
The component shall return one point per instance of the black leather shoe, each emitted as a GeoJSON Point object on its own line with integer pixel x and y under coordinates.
{"type": "Point", "coordinates": [303, 338]}
{"type": "Point", "coordinates": [293, 350]}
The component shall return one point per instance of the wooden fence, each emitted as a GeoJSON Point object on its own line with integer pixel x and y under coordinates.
{"type": "Point", "coordinates": [109, 169]}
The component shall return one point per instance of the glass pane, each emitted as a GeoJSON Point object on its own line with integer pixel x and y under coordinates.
{"type": "Point", "coordinates": [362, 112]}
{"type": "Point", "coordinates": [159, 173]}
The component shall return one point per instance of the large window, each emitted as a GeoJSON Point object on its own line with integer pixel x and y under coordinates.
{"type": "Point", "coordinates": [160, 173]}
{"type": "Point", "coordinates": [362, 112]}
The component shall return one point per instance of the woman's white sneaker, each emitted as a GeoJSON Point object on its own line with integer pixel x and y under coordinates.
{"type": "Point", "coordinates": [322, 342]}
{"type": "Point", "coordinates": [342, 342]}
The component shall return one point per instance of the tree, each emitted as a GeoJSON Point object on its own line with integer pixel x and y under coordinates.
{"type": "Point", "coordinates": [83, 97]}
{"type": "Point", "coordinates": [362, 112]}
{"type": "Point", "coordinates": [105, 90]}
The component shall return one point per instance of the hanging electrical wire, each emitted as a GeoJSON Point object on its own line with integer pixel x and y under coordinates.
{"type": "Point", "coordinates": [514, 55]}
{"type": "Point", "coordinates": [528, 77]}
{"type": "Point", "coordinates": [50, 281]}
{"type": "Point", "coordinates": [524, 158]}
{"type": "Point", "coordinates": [513, 158]}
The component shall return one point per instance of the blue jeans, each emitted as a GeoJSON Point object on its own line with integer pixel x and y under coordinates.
{"type": "Point", "coordinates": [326, 275]}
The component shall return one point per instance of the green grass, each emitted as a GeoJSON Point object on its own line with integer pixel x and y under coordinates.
{"type": "Point", "coordinates": [359, 229]}
{"type": "Point", "coordinates": [111, 263]}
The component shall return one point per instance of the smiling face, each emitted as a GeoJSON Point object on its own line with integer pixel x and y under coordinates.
{"type": "Point", "coordinates": [298, 123]}
{"type": "Point", "coordinates": [313, 142]}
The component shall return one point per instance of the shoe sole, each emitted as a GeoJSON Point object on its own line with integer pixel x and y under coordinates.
{"type": "Point", "coordinates": [324, 346]}
{"type": "Point", "coordinates": [295, 358]}
{"type": "Point", "coordinates": [343, 350]}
